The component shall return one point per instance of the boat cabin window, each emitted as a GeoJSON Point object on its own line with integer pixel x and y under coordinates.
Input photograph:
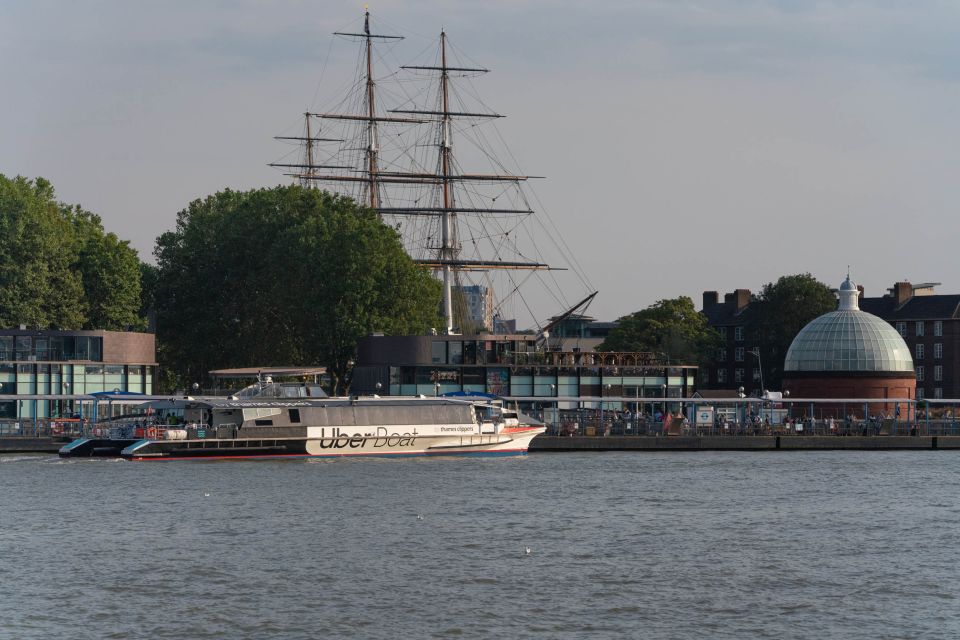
{"type": "Point", "coordinates": [484, 414]}
{"type": "Point", "coordinates": [294, 415]}
{"type": "Point", "coordinates": [263, 422]}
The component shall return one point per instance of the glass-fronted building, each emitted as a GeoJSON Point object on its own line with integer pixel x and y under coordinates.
{"type": "Point", "coordinates": [514, 367]}
{"type": "Point", "coordinates": [43, 373]}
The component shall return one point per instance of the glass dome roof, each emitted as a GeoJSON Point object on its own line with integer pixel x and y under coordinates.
{"type": "Point", "coordinates": [848, 340]}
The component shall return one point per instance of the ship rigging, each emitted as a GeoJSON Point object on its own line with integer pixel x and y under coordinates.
{"type": "Point", "coordinates": [400, 162]}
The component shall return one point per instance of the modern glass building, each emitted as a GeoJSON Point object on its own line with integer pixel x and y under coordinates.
{"type": "Point", "coordinates": [515, 367]}
{"type": "Point", "coordinates": [44, 373]}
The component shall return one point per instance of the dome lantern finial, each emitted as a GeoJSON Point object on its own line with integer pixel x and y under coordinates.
{"type": "Point", "coordinates": [849, 295]}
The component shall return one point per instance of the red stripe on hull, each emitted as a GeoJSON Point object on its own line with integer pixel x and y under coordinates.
{"type": "Point", "coordinates": [325, 455]}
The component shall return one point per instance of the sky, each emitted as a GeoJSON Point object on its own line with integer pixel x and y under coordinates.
{"type": "Point", "coordinates": [688, 145]}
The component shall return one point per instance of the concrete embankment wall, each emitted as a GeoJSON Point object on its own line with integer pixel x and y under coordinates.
{"type": "Point", "coordinates": [25, 444]}
{"type": "Point", "coordinates": [742, 443]}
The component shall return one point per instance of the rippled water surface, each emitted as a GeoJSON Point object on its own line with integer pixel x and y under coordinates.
{"type": "Point", "coordinates": [638, 545]}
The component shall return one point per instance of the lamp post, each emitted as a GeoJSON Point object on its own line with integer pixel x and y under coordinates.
{"type": "Point", "coordinates": [66, 403]}
{"type": "Point", "coordinates": [763, 391]}
{"type": "Point", "coordinates": [663, 393]}
{"type": "Point", "coordinates": [786, 394]}
{"type": "Point", "coordinates": [606, 388]}
{"type": "Point", "coordinates": [436, 389]}
{"type": "Point", "coordinates": [741, 395]}
{"type": "Point", "coordinates": [556, 405]}
{"type": "Point", "coordinates": [378, 386]}
{"type": "Point", "coordinates": [756, 352]}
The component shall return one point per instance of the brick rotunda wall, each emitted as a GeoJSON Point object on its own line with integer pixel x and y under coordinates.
{"type": "Point", "coordinates": [841, 385]}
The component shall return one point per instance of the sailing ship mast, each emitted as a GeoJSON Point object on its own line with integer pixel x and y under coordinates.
{"type": "Point", "coordinates": [447, 259]}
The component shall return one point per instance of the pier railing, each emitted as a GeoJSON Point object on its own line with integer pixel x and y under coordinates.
{"type": "Point", "coordinates": [587, 425]}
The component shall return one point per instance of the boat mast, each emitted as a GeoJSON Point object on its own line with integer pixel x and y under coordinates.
{"type": "Point", "coordinates": [305, 182]}
{"type": "Point", "coordinates": [447, 250]}
{"type": "Point", "coordinates": [446, 260]}
{"type": "Point", "coordinates": [372, 147]}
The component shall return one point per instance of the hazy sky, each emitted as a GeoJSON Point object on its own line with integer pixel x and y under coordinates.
{"type": "Point", "coordinates": [688, 145]}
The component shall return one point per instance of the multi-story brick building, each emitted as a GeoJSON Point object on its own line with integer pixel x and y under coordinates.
{"type": "Point", "coordinates": [930, 324]}
{"type": "Point", "coordinates": [734, 365]}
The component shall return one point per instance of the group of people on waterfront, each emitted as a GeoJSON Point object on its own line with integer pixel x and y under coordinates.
{"type": "Point", "coordinates": [664, 423]}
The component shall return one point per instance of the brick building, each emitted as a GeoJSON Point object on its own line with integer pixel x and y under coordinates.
{"type": "Point", "coordinates": [930, 325]}
{"type": "Point", "coordinates": [734, 366]}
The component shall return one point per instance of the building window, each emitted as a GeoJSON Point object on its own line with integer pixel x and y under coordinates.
{"type": "Point", "coordinates": [722, 355]}
{"type": "Point", "coordinates": [938, 373]}
{"type": "Point", "coordinates": [723, 332]}
{"type": "Point", "coordinates": [704, 376]}
{"type": "Point", "coordinates": [920, 373]}
{"type": "Point", "coordinates": [938, 328]}
{"type": "Point", "coordinates": [438, 353]}
{"type": "Point", "coordinates": [937, 350]}
{"type": "Point", "coordinates": [902, 329]}
{"type": "Point", "coordinates": [738, 334]}
{"type": "Point", "coordinates": [919, 393]}
{"type": "Point", "coordinates": [721, 375]}
{"type": "Point", "coordinates": [919, 350]}
{"type": "Point", "coordinates": [738, 354]}
{"type": "Point", "coordinates": [756, 374]}
{"type": "Point", "coordinates": [738, 375]}
{"type": "Point", "coordinates": [937, 392]}
{"type": "Point", "coordinates": [919, 328]}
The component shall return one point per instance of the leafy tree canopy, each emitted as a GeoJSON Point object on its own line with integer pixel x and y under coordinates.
{"type": "Point", "coordinates": [672, 327]}
{"type": "Point", "coordinates": [282, 276]}
{"type": "Point", "coordinates": [59, 269]}
{"type": "Point", "coordinates": [777, 314]}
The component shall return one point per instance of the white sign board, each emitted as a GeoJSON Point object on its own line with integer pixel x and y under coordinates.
{"type": "Point", "coordinates": [704, 416]}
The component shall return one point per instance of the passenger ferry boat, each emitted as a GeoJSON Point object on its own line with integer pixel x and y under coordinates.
{"type": "Point", "coordinates": [268, 421]}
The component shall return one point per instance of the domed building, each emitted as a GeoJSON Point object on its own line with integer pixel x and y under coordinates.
{"type": "Point", "coordinates": [849, 353]}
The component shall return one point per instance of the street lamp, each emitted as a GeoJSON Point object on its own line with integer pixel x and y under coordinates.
{"type": "Point", "coordinates": [756, 352]}
{"type": "Point", "coordinates": [606, 388]}
{"type": "Point", "coordinates": [436, 389]}
{"type": "Point", "coordinates": [66, 403]}
{"type": "Point", "coordinates": [378, 386]}
{"type": "Point", "coordinates": [663, 392]}
{"type": "Point", "coordinates": [554, 419]}
{"type": "Point", "coordinates": [739, 407]}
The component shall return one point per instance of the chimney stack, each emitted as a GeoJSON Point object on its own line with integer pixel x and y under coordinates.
{"type": "Point", "coordinates": [902, 291]}
{"type": "Point", "coordinates": [710, 299]}
{"type": "Point", "coordinates": [743, 299]}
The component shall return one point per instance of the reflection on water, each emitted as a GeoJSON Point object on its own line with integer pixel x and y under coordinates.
{"type": "Point", "coordinates": [652, 545]}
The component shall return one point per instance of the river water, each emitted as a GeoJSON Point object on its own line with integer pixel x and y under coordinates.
{"type": "Point", "coordinates": [623, 545]}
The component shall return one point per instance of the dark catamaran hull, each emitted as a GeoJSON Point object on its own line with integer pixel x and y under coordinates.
{"type": "Point", "coordinates": [94, 448]}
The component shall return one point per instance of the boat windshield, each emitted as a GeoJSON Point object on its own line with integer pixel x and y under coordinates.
{"type": "Point", "coordinates": [281, 390]}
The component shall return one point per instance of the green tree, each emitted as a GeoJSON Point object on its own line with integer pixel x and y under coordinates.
{"type": "Point", "coordinates": [39, 286]}
{"type": "Point", "coordinates": [282, 276]}
{"type": "Point", "coordinates": [672, 327]}
{"type": "Point", "coordinates": [110, 271]}
{"type": "Point", "coordinates": [776, 315]}
{"type": "Point", "coordinates": [59, 269]}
